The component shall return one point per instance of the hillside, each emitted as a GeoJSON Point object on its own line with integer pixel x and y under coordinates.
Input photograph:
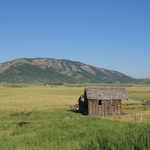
{"type": "Point", "coordinates": [50, 71]}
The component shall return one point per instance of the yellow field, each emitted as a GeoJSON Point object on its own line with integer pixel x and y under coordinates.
{"type": "Point", "coordinates": [32, 98]}
{"type": "Point", "coordinates": [37, 98]}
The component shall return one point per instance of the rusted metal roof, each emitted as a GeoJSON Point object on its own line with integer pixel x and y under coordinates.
{"type": "Point", "coordinates": [106, 93]}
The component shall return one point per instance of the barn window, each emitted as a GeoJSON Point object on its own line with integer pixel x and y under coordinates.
{"type": "Point", "coordinates": [100, 102]}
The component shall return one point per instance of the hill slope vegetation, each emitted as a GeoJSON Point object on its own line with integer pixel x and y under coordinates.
{"type": "Point", "coordinates": [50, 71]}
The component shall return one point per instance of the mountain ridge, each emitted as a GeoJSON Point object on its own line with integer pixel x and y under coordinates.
{"type": "Point", "coordinates": [51, 70]}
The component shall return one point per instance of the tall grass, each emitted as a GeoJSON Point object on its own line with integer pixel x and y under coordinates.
{"type": "Point", "coordinates": [132, 137]}
{"type": "Point", "coordinates": [52, 126]}
{"type": "Point", "coordinates": [65, 130]}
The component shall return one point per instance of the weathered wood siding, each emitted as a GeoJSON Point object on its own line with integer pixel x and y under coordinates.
{"type": "Point", "coordinates": [92, 107]}
{"type": "Point", "coordinates": [107, 107]}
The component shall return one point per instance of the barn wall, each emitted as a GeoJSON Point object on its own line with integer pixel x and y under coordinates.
{"type": "Point", "coordinates": [110, 107]}
{"type": "Point", "coordinates": [107, 107]}
{"type": "Point", "coordinates": [92, 107]}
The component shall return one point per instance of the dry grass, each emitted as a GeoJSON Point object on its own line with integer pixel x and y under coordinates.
{"type": "Point", "coordinates": [37, 98]}
{"type": "Point", "coordinates": [32, 98]}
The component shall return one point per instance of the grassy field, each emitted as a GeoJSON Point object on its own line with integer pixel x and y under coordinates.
{"type": "Point", "coordinates": [34, 117]}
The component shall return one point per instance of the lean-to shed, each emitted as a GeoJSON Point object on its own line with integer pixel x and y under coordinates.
{"type": "Point", "coordinates": [102, 101]}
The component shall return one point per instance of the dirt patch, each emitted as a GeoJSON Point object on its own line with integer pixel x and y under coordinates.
{"type": "Point", "coordinates": [23, 123]}
{"type": "Point", "coordinates": [71, 117]}
{"type": "Point", "coordinates": [5, 133]}
{"type": "Point", "coordinates": [146, 103]}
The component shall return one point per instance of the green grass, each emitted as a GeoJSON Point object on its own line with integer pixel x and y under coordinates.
{"type": "Point", "coordinates": [130, 137]}
{"type": "Point", "coordinates": [52, 126]}
{"type": "Point", "coordinates": [57, 131]}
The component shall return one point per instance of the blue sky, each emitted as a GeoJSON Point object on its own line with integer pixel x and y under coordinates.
{"type": "Point", "coordinates": [113, 34]}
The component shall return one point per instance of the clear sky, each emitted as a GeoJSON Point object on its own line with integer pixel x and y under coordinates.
{"type": "Point", "coordinates": [114, 34]}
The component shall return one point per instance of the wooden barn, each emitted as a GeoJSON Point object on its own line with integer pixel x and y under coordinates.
{"type": "Point", "coordinates": [102, 101]}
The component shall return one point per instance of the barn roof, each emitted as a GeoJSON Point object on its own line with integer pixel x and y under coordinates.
{"type": "Point", "coordinates": [106, 93]}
